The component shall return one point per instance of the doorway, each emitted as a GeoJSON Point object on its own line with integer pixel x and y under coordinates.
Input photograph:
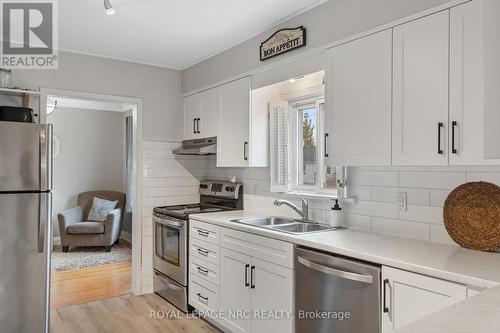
{"type": "Point", "coordinates": [96, 157]}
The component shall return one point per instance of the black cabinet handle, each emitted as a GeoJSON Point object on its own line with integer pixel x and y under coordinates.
{"type": "Point", "coordinates": [198, 125]}
{"type": "Point", "coordinates": [453, 126]}
{"type": "Point", "coordinates": [326, 143]}
{"type": "Point", "coordinates": [203, 252]}
{"type": "Point", "coordinates": [202, 297]}
{"type": "Point", "coordinates": [194, 125]}
{"type": "Point", "coordinates": [203, 233]}
{"type": "Point", "coordinates": [252, 282]}
{"type": "Point", "coordinates": [440, 126]}
{"type": "Point", "coordinates": [246, 275]}
{"type": "Point", "coordinates": [386, 309]}
{"type": "Point", "coordinates": [245, 146]}
{"type": "Point", "coordinates": [202, 271]}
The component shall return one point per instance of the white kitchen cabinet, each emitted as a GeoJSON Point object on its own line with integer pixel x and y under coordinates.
{"type": "Point", "coordinates": [468, 85]}
{"type": "Point", "coordinates": [272, 292]}
{"type": "Point", "coordinates": [358, 101]}
{"type": "Point", "coordinates": [233, 140]}
{"type": "Point", "coordinates": [192, 114]}
{"type": "Point", "coordinates": [201, 114]}
{"type": "Point", "coordinates": [408, 297]}
{"type": "Point", "coordinates": [235, 295]}
{"type": "Point", "coordinates": [420, 91]}
{"type": "Point", "coordinates": [210, 110]}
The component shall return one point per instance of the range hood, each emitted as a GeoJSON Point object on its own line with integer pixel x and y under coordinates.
{"type": "Point", "coordinates": [205, 146]}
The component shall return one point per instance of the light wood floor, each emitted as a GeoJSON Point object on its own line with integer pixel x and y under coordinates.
{"type": "Point", "coordinates": [122, 315]}
{"type": "Point", "coordinates": [88, 284]}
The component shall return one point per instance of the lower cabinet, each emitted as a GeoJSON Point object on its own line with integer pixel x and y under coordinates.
{"type": "Point", "coordinates": [408, 297]}
{"type": "Point", "coordinates": [256, 295]}
{"type": "Point", "coordinates": [246, 278]}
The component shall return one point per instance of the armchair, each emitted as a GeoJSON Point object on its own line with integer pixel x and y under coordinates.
{"type": "Point", "coordinates": [75, 230]}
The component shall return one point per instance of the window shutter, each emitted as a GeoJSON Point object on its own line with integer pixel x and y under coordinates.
{"type": "Point", "coordinates": [278, 150]}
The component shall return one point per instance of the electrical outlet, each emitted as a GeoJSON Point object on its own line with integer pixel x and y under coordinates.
{"type": "Point", "coordinates": [402, 201]}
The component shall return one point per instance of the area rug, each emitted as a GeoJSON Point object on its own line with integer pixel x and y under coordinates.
{"type": "Point", "coordinates": [84, 257]}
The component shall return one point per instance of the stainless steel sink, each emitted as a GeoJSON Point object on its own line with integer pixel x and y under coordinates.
{"type": "Point", "coordinates": [265, 221]}
{"type": "Point", "coordinates": [287, 225]}
{"type": "Point", "coordinates": [302, 228]}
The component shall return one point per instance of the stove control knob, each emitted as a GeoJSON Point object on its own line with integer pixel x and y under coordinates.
{"type": "Point", "coordinates": [229, 188]}
{"type": "Point", "coordinates": [203, 186]}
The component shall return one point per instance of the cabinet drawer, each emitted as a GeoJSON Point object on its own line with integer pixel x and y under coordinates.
{"type": "Point", "coordinates": [204, 231]}
{"type": "Point", "coordinates": [203, 296]}
{"type": "Point", "coordinates": [204, 250]}
{"type": "Point", "coordinates": [267, 249]}
{"type": "Point", "coordinates": [204, 270]}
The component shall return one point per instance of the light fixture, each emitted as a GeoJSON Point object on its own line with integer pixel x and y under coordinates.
{"type": "Point", "coordinates": [51, 105]}
{"type": "Point", "coordinates": [109, 7]}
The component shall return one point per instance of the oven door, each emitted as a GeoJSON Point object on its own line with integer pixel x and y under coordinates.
{"type": "Point", "coordinates": [170, 248]}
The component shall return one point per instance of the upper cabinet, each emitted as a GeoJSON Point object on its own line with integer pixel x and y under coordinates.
{"type": "Point", "coordinates": [358, 102]}
{"type": "Point", "coordinates": [233, 140]}
{"type": "Point", "coordinates": [469, 86]}
{"type": "Point", "coordinates": [210, 106]}
{"type": "Point", "coordinates": [201, 115]}
{"type": "Point", "coordinates": [226, 112]}
{"type": "Point", "coordinates": [420, 91]}
{"type": "Point", "coordinates": [192, 116]}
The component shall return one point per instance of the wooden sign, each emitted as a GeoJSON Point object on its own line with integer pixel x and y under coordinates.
{"type": "Point", "coordinates": [282, 41]}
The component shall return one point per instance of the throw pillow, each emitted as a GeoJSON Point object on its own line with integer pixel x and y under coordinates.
{"type": "Point", "coordinates": [100, 209]}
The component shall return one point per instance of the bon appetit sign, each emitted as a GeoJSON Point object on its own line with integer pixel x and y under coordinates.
{"type": "Point", "coordinates": [282, 41]}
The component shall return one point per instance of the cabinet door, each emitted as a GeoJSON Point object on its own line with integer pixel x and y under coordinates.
{"type": "Point", "coordinates": [420, 91]}
{"type": "Point", "coordinates": [235, 296]}
{"type": "Point", "coordinates": [232, 143]}
{"type": "Point", "coordinates": [210, 109]}
{"type": "Point", "coordinates": [467, 130]}
{"type": "Point", "coordinates": [358, 101]}
{"type": "Point", "coordinates": [409, 297]}
{"type": "Point", "coordinates": [192, 112]}
{"type": "Point", "coordinates": [272, 293]}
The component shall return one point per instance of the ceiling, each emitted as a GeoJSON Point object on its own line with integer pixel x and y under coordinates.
{"type": "Point", "coordinates": [168, 33]}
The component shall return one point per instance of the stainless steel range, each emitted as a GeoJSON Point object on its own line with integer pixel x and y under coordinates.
{"type": "Point", "coordinates": [171, 229]}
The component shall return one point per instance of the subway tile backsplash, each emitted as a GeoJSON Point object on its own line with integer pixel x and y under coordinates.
{"type": "Point", "coordinates": [376, 188]}
{"type": "Point", "coordinates": [173, 180]}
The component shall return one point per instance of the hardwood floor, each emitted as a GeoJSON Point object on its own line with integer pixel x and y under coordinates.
{"type": "Point", "coordinates": [89, 284]}
{"type": "Point", "coordinates": [125, 314]}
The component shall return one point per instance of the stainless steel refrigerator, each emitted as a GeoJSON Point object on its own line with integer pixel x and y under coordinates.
{"type": "Point", "coordinates": [25, 226]}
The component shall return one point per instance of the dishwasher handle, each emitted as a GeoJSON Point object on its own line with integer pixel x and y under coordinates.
{"type": "Point", "coordinates": [336, 272]}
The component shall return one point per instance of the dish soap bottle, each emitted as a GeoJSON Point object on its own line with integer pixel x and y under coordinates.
{"type": "Point", "coordinates": [337, 216]}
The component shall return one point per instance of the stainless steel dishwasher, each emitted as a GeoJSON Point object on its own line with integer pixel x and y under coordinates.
{"type": "Point", "coordinates": [334, 294]}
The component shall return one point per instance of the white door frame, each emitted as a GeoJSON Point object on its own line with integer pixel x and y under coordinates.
{"type": "Point", "coordinates": [137, 151]}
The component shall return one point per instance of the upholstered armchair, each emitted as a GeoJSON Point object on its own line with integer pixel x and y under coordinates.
{"type": "Point", "coordinates": [75, 229]}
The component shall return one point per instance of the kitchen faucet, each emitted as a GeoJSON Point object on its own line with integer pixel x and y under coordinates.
{"type": "Point", "coordinates": [304, 213]}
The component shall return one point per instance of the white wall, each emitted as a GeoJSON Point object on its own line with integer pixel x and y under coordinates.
{"type": "Point", "coordinates": [91, 156]}
{"type": "Point", "coordinates": [158, 87]}
{"type": "Point", "coordinates": [326, 23]}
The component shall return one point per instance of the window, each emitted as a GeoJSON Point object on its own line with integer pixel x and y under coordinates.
{"type": "Point", "coordinates": [308, 170]}
{"type": "Point", "coordinates": [298, 160]}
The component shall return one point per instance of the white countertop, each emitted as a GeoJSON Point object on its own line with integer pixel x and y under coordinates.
{"type": "Point", "coordinates": [453, 263]}
{"type": "Point", "coordinates": [480, 313]}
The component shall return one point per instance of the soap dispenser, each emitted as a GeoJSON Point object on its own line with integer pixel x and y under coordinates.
{"type": "Point", "coordinates": [337, 216]}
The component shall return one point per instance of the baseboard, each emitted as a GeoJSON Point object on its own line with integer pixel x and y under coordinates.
{"type": "Point", "coordinates": [126, 236]}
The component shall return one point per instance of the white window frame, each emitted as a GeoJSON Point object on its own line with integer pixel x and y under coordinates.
{"type": "Point", "coordinates": [294, 156]}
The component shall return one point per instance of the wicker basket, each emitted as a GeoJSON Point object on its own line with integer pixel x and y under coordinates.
{"type": "Point", "coordinates": [472, 216]}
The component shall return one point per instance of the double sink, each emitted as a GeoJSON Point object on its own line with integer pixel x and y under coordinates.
{"type": "Point", "coordinates": [287, 225]}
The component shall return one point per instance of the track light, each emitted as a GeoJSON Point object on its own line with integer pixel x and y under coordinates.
{"type": "Point", "coordinates": [109, 7]}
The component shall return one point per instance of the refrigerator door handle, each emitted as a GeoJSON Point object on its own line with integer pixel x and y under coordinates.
{"type": "Point", "coordinates": [43, 221]}
{"type": "Point", "coordinates": [46, 158]}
